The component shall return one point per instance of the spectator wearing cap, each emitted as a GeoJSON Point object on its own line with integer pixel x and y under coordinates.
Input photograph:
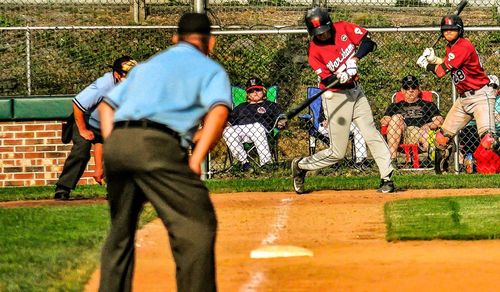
{"type": "Point", "coordinates": [410, 120]}
{"type": "Point", "coordinates": [250, 122]}
{"type": "Point", "coordinates": [86, 129]}
{"type": "Point", "coordinates": [148, 122]}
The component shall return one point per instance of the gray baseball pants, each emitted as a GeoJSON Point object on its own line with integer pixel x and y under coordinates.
{"type": "Point", "coordinates": [341, 108]}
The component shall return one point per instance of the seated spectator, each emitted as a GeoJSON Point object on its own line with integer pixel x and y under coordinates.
{"type": "Point", "coordinates": [251, 121]}
{"type": "Point", "coordinates": [410, 120]}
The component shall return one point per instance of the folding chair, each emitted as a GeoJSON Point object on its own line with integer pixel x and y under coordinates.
{"type": "Point", "coordinates": [411, 150]}
{"type": "Point", "coordinates": [239, 96]}
{"type": "Point", "coordinates": [312, 122]}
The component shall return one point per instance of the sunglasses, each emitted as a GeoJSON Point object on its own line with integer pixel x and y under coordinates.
{"type": "Point", "coordinates": [254, 90]}
{"type": "Point", "coordinates": [407, 87]}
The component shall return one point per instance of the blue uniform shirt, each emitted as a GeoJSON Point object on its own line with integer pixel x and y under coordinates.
{"type": "Point", "coordinates": [176, 87]}
{"type": "Point", "coordinates": [88, 99]}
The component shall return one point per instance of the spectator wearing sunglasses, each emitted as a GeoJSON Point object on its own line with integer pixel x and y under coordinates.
{"type": "Point", "coordinates": [410, 120]}
{"type": "Point", "coordinates": [250, 122]}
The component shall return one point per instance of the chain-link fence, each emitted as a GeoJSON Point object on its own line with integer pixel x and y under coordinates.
{"type": "Point", "coordinates": [41, 61]}
{"type": "Point", "coordinates": [225, 13]}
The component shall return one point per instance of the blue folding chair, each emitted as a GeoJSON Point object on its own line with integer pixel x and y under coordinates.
{"type": "Point", "coordinates": [312, 121]}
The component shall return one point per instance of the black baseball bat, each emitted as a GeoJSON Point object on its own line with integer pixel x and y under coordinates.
{"type": "Point", "coordinates": [293, 112]}
{"type": "Point", "coordinates": [457, 11]}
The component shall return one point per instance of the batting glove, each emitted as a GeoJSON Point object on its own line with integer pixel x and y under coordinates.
{"type": "Point", "coordinates": [422, 62]}
{"type": "Point", "coordinates": [343, 77]}
{"type": "Point", "coordinates": [494, 81]}
{"type": "Point", "coordinates": [352, 67]}
{"type": "Point", "coordinates": [431, 56]}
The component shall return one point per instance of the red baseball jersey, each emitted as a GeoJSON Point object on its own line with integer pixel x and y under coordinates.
{"type": "Point", "coordinates": [466, 69]}
{"type": "Point", "coordinates": [327, 59]}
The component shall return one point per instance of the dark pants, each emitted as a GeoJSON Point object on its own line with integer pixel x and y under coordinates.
{"type": "Point", "coordinates": [77, 160]}
{"type": "Point", "coordinates": [149, 165]}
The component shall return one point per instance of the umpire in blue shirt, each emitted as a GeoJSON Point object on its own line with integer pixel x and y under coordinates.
{"type": "Point", "coordinates": [86, 128]}
{"type": "Point", "coordinates": [147, 123]}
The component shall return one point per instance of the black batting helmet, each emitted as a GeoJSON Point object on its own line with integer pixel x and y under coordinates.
{"type": "Point", "coordinates": [452, 22]}
{"type": "Point", "coordinates": [317, 21]}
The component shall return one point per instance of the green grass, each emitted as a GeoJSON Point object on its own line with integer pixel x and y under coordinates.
{"type": "Point", "coordinates": [458, 218]}
{"type": "Point", "coordinates": [273, 184]}
{"type": "Point", "coordinates": [52, 248]}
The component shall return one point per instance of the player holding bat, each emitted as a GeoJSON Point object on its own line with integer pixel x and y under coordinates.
{"type": "Point", "coordinates": [476, 98]}
{"type": "Point", "coordinates": [334, 51]}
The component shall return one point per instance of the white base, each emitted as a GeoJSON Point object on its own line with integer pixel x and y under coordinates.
{"type": "Point", "coordinates": [280, 251]}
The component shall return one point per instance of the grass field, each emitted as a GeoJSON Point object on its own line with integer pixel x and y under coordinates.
{"type": "Point", "coordinates": [52, 248]}
{"type": "Point", "coordinates": [55, 248]}
{"type": "Point", "coordinates": [284, 184]}
{"type": "Point", "coordinates": [462, 218]}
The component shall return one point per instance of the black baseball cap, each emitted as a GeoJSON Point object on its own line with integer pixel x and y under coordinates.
{"type": "Point", "coordinates": [194, 23]}
{"type": "Point", "coordinates": [123, 64]}
{"type": "Point", "coordinates": [409, 81]}
{"type": "Point", "coordinates": [254, 83]}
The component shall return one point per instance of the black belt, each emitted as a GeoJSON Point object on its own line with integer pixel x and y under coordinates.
{"type": "Point", "coordinates": [147, 124]}
{"type": "Point", "coordinates": [344, 86]}
{"type": "Point", "coordinates": [467, 93]}
{"type": "Point", "coordinates": [472, 92]}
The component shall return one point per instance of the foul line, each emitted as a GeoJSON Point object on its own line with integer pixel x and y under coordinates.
{"type": "Point", "coordinates": [279, 224]}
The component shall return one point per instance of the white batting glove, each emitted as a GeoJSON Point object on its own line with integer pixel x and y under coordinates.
{"type": "Point", "coordinates": [431, 56]}
{"type": "Point", "coordinates": [352, 67]}
{"type": "Point", "coordinates": [494, 81]}
{"type": "Point", "coordinates": [343, 77]}
{"type": "Point", "coordinates": [422, 62]}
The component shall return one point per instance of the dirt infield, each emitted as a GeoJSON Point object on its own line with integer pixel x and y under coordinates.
{"type": "Point", "coordinates": [344, 229]}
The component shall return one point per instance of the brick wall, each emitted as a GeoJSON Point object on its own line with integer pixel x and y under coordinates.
{"type": "Point", "coordinates": [32, 154]}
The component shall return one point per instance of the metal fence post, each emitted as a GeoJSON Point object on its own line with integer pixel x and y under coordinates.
{"type": "Point", "coordinates": [199, 6]}
{"type": "Point", "coordinates": [28, 60]}
{"type": "Point", "coordinates": [455, 139]}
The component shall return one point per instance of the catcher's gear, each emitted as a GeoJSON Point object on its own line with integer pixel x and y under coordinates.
{"type": "Point", "coordinates": [442, 140]}
{"type": "Point", "coordinates": [441, 160]}
{"type": "Point", "coordinates": [318, 21]}
{"type": "Point", "coordinates": [491, 142]}
{"type": "Point", "coordinates": [452, 22]}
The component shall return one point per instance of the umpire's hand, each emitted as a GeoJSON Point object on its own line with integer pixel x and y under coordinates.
{"type": "Point", "coordinates": [87, 134]}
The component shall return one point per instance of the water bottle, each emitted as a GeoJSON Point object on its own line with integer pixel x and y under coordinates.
{"type": "Point", "coordinates": [469, 163]}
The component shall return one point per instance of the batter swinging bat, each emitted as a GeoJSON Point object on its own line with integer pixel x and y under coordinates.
{"type": "Point", "coordinates": [457, 11]}
{"type": "Point", "coordinates": [293, 112]}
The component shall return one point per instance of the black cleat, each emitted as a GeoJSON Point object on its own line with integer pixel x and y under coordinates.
{"type": "Point", "coordinates": [298, 175]}
{"type": "Point", "coordinates": [386, 186]}
{"type": "Point", "coordinates": [61, 194]}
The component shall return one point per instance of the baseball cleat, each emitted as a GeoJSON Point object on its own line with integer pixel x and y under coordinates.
{"type": "Point", "coordinates": [298, 175]}
{"type": "Point", "coordinates": [386, 186]}
{"type": "Point", "coordinates": [61, 194]}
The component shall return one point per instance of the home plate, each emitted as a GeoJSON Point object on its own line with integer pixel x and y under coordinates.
{"type": "Point", "coordinates": [280, 251]}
